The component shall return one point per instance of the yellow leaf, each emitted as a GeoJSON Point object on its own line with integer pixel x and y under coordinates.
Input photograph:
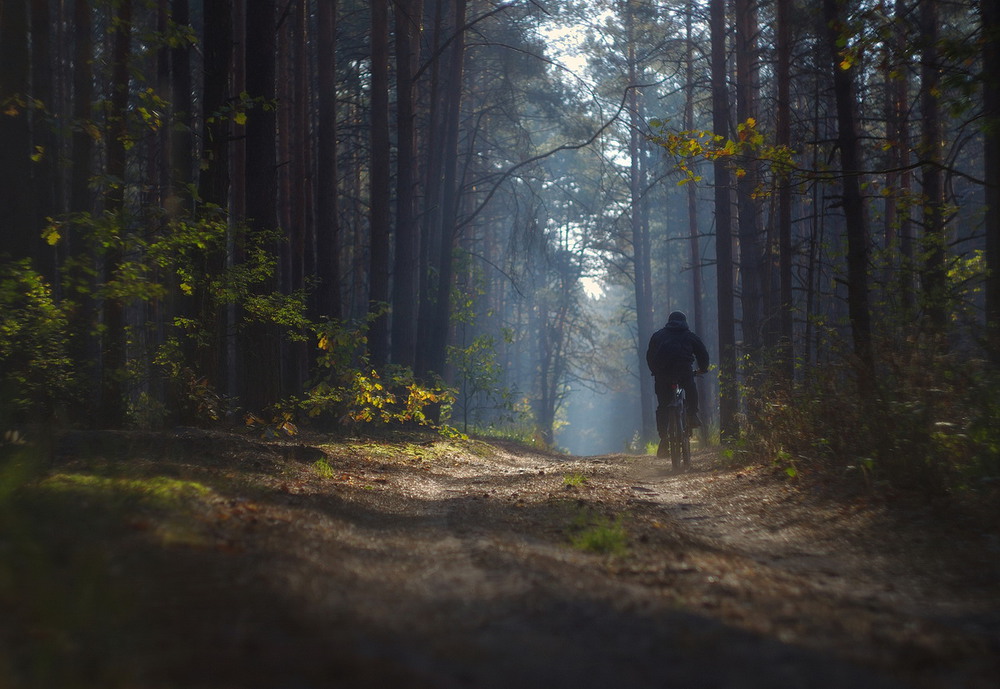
{"type": "Point", "coordinates": [845, 64]}
{"type": "Point", "coordinates": [240, 118]}
{"type": "Point", "coordinates": [186, 288]}
{"type": "Point", "coordinates": [324, 342]}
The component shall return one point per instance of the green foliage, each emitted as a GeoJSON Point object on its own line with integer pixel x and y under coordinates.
{"type": "Point", "coordinates": [36, 371]}
{"type": "Point", "coordinates": [691, 147]}
{"type": "Point", "coordinates": [933, 426]}
{"type": "Point", "coordinates": [322, 468]}
{"type": "Point", "coordinates": [175, 264]}
{"type": "Point", "coordinates": [349, 391]}
{"type": "Point", "coordinates": [598, 534]}
{"type": "Point", "coordinates": [480, 378]}
{"type": "Point", "coordinates": [574, 480]}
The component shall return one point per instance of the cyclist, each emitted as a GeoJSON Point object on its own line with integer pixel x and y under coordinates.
{"type": "Point", "coordinates": [672, 350]}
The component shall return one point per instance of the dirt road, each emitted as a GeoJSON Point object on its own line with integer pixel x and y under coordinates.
{"type": "Point", "coordinates": [359, 564]}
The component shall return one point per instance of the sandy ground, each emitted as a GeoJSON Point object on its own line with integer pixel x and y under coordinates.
{"type": "Point", "coordinates": [452, 565]}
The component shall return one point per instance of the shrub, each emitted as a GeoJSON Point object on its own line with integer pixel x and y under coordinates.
{"type": "Point", "coordinates": [350, 391]}
{"type": "Point", "coordinates": [36, 371]}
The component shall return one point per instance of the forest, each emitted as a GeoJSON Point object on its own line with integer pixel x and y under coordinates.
{"type": "Point", "coordinates": [472, 214]}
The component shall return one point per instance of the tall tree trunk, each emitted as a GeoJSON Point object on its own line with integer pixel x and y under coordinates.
{"type": "Point", "coordinates": [990, 14]}
{"type": "Point", "coordinates": [213, 187]}
{"type": "Point", "coordinates": [640, 245]}
{"type": "Point", "coordinates": [784, 138]}
{"type": "Point", "coordinates": [327, 222]}
{"type": "Point", "coordinates": [430, 226]}
{"type": "Point", "coordinates": [933, 245]}
{"type": "Point", "coordinates": [749, 213]}
{"type": "Point", "coordinates": [854, 210]}
{"type": "Point", "coordinates": [43, 170]}
{"type": "Point", "coordinates": [379, 194]}
{"type": "Point", "coordinates": [259, 349]}
{"type": "Point", "coordinates": [81, 196]}
{"type": "Point", "coordinates": [450, 195]}
{"type": "Point", "coordinates": [409, 14]}
{"type": "Point", "coordinates": [729, 401]}
{"type": "Point", "coordinates": [301, 199]}
{"type": "Point", "coordinates": [181, 139]}
{"type": "Point", "coordinates": [905, 232]}
{"type": "Point", "coordinates": [21, 237]}
{"type": "Point", "coordinates": [112, 403]}
{"type": "Point", "coordinates": [698, 323]}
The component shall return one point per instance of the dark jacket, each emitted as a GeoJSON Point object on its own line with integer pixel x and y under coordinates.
{"type": "Point", "coordinates": [674, 348]}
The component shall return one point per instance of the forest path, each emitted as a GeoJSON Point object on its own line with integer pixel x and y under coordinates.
{"type": "Point", "coordinates": [452, 565]}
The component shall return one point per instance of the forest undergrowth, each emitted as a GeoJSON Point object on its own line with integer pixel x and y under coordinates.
{"type": "Point", "coordinates": [924, 421]}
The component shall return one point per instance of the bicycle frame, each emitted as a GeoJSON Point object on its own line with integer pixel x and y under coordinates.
{"type": "Point", "coordinates": [675, 436]}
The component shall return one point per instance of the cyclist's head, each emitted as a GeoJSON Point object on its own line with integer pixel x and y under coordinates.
{"type": "Point", "coordinates": [677, 317]}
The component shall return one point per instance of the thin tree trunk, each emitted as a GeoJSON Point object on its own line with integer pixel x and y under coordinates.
{"type": "Point", "coordinates": [450, 193]}
{"type": "Point", "coordinates": [990, 12]}
{"type": "Point", "coordinates": [698, 324]}
{"type": "Point", "coordinates": [379, 194]}
{"type": "Point", "coordinates": [43, 170]}
{"type": "Point", "coordinates": [181, 139]}
{"type": "Point", "coordinates": [327, 222]}
{"type": "Point", "coordinates": [640, 246]}
{"type": "Point", "coordinates": [21, 237]}
{"type": "Point", "coordinates": [409, 14]}
{"type": "Point", "coordinates": [217, 45]}
{"type": "Point", "coordinates": [854, 211]}
{"type": "Point", "coordinates": [784, 138]}
{"type": "Point", "coordinates": [112, 404]}
{"type": "Point", "coordinates": [749, 221]}
{"type": "Point", "coordinates": [933, 245]}
{"type": "Point", "coordinates": [81, 197]}
{"type": "Point", "coordinates": [728, 403]}
{"type": "Point", "coordinates": [906, 177]}
{"type": "Point", "coordinates": [430, 228]}
{"type": "Point", "coordinates": [259, 349]}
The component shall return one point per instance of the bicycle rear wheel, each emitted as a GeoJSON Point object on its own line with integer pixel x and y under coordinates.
{"type": "Point", "coordinates": [675, 437]}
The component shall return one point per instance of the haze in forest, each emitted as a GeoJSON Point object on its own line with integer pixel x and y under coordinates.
{"type": "Point", "coordinates": [473, 215]}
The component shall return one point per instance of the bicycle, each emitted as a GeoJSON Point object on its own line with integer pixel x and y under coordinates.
{"type": "Point", "coordinates": [675, 439]}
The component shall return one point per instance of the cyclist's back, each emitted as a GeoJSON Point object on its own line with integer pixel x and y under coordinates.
{"type": "Point", "coordinates": [672, 351]}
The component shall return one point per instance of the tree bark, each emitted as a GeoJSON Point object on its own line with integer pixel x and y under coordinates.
{"type": "Point", "coordinates": [933, 244]}
{"type": "Point", "coordinates": [217, 45]}
{"type": "Point", "coordinates": [430, 226]}
{"type": "Point", "coordinates": [81, 197]}
{"type": "Point", "coordinates": [640, 243]}
{"type": "Point", "coordinates": [990, 16]}
{"type": "Point", "coordinates": [697, 323]}
{"type": "Point", "coordinates": [112, 403]}
{"type": "Point", "coordinates": [729, 402]}
{"type": "Point", "coordinates": [43, 177]}
{"type": "Point", "coordinates": [21, 238]}
{"type": "Point", "coordinates": [748, 219]}
{"type": "Point", "coordinates": [450, 194]}
{"type": "Point", "coordinates": [784, 138]}
{"type": "Point", "coordinates": [854, 211]}
{"type": "Point", "coordinates": [409, 14]}
{"type": "Point", "coordinates": [327, 222]}
{"type": "Point", "coordinates": [379, 191]}
{"type": "Point", "coordinates": [260, 351]}
{"type": "Point", "coordinates": [181, 139]}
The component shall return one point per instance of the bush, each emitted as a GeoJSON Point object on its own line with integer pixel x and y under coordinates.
{"type": "Point", "coordinates": [933, 423]}
{"type": "Point", "coordinates": [36, 371]}
{"type": "Point", "coordinates": [349, 391]}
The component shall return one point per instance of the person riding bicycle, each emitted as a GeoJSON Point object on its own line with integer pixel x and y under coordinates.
{"type": "Point", "coordinates": [672, 350]}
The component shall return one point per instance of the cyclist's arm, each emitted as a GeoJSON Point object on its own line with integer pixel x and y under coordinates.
{"type": "Point", "coordinates": [700, 354]}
